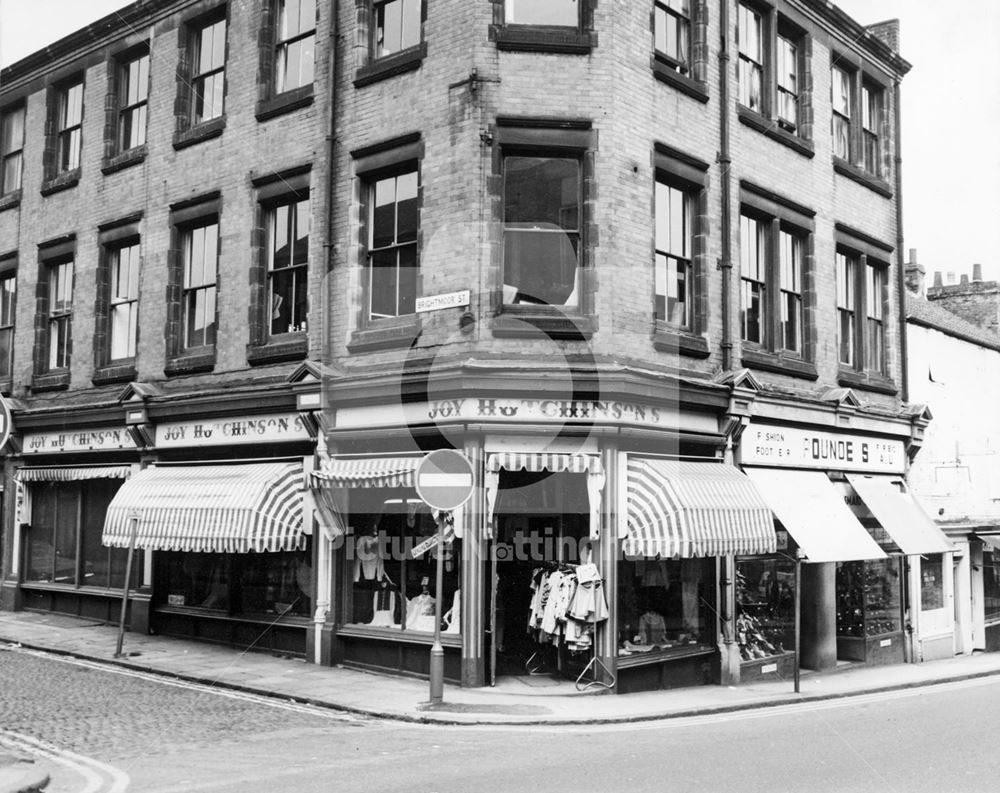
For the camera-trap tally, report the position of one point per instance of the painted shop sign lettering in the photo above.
(225, 432)
(555, 411)
(838, 451)
(77, 441)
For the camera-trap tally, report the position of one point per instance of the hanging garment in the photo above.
(420, 613)
(384, 609)
(453, 617)
(368, 562)
(652, 628)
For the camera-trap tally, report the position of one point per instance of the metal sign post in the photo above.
(134, 516)
(444, 480)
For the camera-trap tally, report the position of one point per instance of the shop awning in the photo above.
(536, 462)
(211, 508)
(367, 472)
(992, 540)
(815, 514)
(684, 509)
(900, 515)
(72, 474)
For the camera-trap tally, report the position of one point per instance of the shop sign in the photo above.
(77, 441)
(449, 300)
(228, 432)
(549, 411)
(792, 447)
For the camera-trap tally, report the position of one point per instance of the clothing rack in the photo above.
(598, 665)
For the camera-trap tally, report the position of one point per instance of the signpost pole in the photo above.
(798, 617)
(128, 579)
(437, 651)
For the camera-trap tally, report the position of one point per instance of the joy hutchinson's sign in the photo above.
(763, 444)
(83, 440)
(220, 432)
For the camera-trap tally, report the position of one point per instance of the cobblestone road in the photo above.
(109, 715)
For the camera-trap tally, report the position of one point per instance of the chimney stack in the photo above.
(937, 279)
(915, 274)
(964, 280)
(977, 272)
(950, 277)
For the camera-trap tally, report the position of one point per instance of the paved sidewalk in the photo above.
(19, 774)
(525, 700)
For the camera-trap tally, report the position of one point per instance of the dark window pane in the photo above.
(541, 192)
(383, 284)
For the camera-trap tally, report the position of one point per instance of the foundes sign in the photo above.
(793, 447)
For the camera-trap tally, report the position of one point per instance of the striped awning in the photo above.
(367, 472)
(537, 462)
(680, 509)
(73, 474)
(211, 508)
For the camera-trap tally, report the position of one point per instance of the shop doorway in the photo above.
(541, 525)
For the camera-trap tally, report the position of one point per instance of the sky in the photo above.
(950, 102)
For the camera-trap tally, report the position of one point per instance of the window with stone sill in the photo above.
(773, 275)
(131, 95)
(287, 266)
(11, 149)
(208, 70)
(862, 298)
(8, 306)
(396, 26)
(55, 298)
(672, 33)
(772, 70)
(295, 42)
(562, 26)
(64, 145)
(393, 225)
(859, 119)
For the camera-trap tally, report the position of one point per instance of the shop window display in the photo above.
(991, 585)
(272, 584)
(393, 565)
(932, 582)
(664, 605)
(869, 599)
(64, 536)
(765, 607)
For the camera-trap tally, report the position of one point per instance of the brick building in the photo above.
(651, 290)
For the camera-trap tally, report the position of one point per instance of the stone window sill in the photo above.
(204, 131)
(11, 200)
(779, 363)
(285, 103)
(57, 380)
(194, 361)
(866, 381)
(122, 372)
(855, 174)
(679, 341)
(665, 73)
(398, 63)
(387, 334)
(284, 347)
(554, 324)
(124, 160)
(539, 38)
(63, 181)
(769, 128)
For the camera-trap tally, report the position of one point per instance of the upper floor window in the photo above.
(542, 12)
(69, 126)
(8, 304)
(11, 149)
(60, 314)
(750, 40)
(875, 289)
(846, 274)
(397, 26)
(288, 266)
(208, 72)
(787, 83)
(200, 252)
(393, 223)
(541, 230)
(133, 92)
(124, 301)
(674, 244)
(862, 296)
(294, 44)
(672, 32)
(858, 120)
(775, 238)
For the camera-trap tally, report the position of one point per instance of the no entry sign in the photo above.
(444, 479)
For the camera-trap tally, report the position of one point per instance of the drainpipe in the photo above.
(904, 388)
(726, 264)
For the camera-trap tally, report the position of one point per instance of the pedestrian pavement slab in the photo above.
(515, 701)
(21, 777)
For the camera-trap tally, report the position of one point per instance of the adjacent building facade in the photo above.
(642, 266)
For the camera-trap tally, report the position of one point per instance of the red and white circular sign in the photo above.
(444, 479)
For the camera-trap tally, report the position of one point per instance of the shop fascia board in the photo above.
(526, 383)
(68, 417)
(226, 403)
(768, 409)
